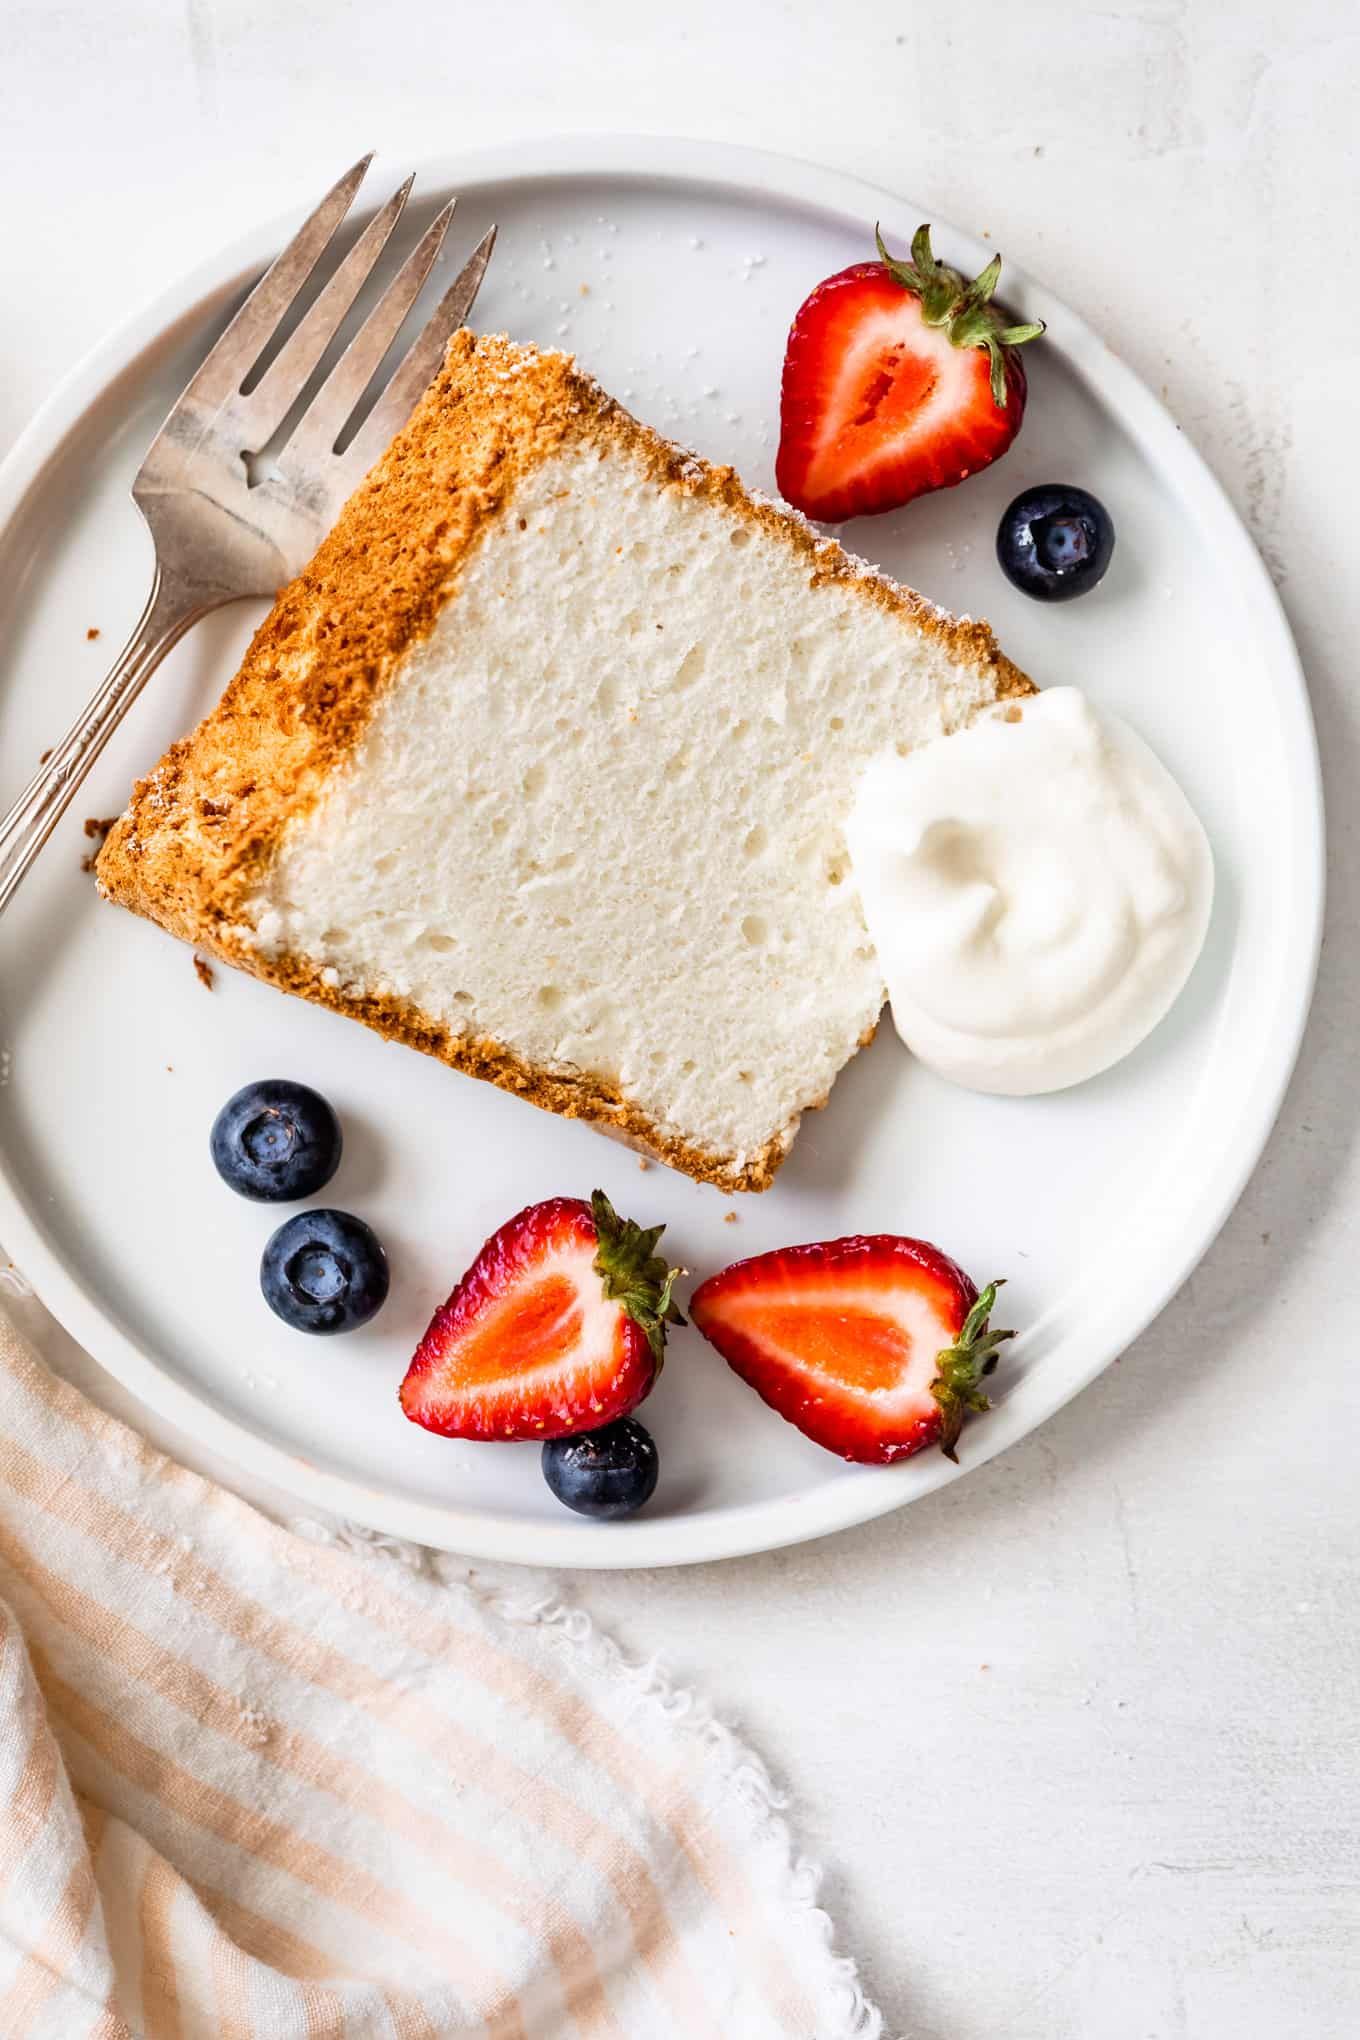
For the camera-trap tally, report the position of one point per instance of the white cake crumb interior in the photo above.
(597, 814)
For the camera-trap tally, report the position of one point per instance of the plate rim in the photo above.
(741, 1530)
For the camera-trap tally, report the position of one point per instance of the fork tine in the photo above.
(421, 362)
(325, 417)
(249, 333)
(266, 406)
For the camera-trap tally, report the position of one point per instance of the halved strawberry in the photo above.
(558, 1326)
(874, 1346)
(899, 378)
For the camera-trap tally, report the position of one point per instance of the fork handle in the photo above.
(169, 612)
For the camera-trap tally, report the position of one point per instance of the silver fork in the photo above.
(219, 533)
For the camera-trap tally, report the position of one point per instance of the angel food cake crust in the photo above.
(196, 846)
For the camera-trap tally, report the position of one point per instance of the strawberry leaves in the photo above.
(964, 310)
(634, 1274)
(961, 1368)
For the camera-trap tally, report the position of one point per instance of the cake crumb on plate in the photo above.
(96, 828)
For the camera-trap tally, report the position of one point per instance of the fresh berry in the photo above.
(610, 1472)
(1055, 542)
(324, 1271)
(899, 378)
(874, 1347)
(276, 1141)
(558, 1326)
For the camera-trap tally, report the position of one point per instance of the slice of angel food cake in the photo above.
(542, 767)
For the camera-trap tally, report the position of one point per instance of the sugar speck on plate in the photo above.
(695, 242)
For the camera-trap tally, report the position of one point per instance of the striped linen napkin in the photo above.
(252, 1785)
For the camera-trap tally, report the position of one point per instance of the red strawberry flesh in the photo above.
(531, 1344)
(845, 1339)
(899, 378)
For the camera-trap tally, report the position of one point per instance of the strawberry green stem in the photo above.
(634, 1274)
(964, 310)
(960, 1369)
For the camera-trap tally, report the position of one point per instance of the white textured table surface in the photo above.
(1079, 1737)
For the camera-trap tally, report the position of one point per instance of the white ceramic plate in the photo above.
(673, 268)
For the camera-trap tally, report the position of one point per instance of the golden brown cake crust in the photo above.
(200, 831)
(571, 1095)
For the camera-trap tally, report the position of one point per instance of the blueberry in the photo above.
(609, 1472)
(324, 1271)
(1055, 541)
(276, 1142)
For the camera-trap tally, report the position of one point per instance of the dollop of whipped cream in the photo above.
(1037, 887)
